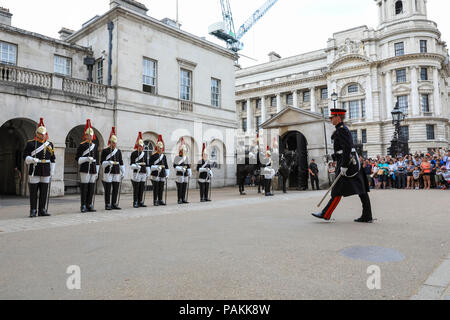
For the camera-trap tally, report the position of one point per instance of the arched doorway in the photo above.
(71, 175)
(296, 141)
(13, 178)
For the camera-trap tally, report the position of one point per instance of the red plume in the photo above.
(136, 146)
(160, 139)
(203, 150)
(113, 133)
(88, 126)
(41, 124)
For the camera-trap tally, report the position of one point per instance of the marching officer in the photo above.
(268, 172)
(160, 172)
(141, 170)
(113, 172)
(205, 176)
(39, 155)
(87, 158)
(352, 180)
(184, 172)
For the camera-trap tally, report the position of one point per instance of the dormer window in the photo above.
(399, 7)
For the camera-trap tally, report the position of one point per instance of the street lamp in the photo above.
(334, 98)
(397, 145)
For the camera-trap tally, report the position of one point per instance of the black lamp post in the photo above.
(398, 144)
(334, 98)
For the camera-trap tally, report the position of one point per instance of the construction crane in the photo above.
(225, 30)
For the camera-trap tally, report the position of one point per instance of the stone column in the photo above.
(263, 109)
(295, 98)
(388, 84)
(279, 107)
(415, 92)
(369, 98)
(312, 92)
(250, 116)
(437, 94)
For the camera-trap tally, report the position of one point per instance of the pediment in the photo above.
(350, 61)
(426, 86)
(291, 116)
(401, 89)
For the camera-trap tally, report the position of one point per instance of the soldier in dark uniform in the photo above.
(354, 181)
(113, 172)
(184, 172)
(205, 176)
(39, 155)
(159, 172)
(141, 171)
(268, 172)
(87, 158)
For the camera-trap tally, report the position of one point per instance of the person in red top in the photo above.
(426, 171)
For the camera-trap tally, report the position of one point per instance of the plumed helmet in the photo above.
(160, 144)
(112, 136)
(41, 129)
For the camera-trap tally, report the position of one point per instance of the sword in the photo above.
(167, 182)
(187, 192)
(331, 188)
(120, 191)
(48, 194)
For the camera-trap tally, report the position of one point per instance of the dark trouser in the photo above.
(90, 195)
(400, 181)
(84, 194)
(204, 190)
(161, 185)
(135, 192)
(107, 186)
(260, 181)
(268, 185)
(155, 190)
(141, 190)
(316, 180)
(42, 188)
(115, 193)
(182, 188)
(334, 202)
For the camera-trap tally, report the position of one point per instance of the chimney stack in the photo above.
(5, 16)
(129, 4)
(273, 56)
(64, 33)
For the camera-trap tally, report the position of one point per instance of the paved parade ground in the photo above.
(236, 247)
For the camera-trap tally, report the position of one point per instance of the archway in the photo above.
(296, 141)
(71, 175)
(13, 178)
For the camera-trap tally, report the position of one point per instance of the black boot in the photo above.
(135, 194)
(33, 199)
(179, 192)
(161, 185)
(141, 195)
(90, 198)
(43, 192)
(367, 209)
(83, 190)
(107, 186)
(183, 194)
(319, 215)
(268, 185)
(155, 192)
(202, 192)
(207, 195)
(115, 195)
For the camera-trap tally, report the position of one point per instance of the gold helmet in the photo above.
(141, 143)
(89, 132)
(41, 130)
(113, 139)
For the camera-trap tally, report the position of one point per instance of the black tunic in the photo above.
(185, 164)
(47, 153)
(154, 161)
(200, 165)
(142, 162)
(343, 146)
(84, 146)
(117, 157)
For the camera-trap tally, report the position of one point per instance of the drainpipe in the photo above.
(110, 29)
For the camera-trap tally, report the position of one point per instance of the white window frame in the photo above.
(99, 71)
(402, 53)
(62, 65)
(150, 74)
(186, 83)
(9, 52)
(216, 91)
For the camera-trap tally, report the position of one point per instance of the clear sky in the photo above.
(291, 27)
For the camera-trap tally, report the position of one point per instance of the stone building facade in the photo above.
(123, 69)
(402, 61)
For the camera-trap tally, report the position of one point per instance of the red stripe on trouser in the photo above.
(331, 209)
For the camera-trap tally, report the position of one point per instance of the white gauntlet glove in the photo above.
(344, 171)
(52, 169)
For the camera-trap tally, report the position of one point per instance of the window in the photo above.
(425, 103)
(186, 85)
(423, 74)
(398, 7)
(258, 104)
(399, 49)
(353, 88)
(403, 133)
(244, 106)
(215, 92)
(258, 121)
(326, 112)
(423, 46)
(403, 103)
(363, 108)
(99, 71)
(430, 132)
(354, 109)
(364, 135)
(273, 101)
(354, 136)
(290, 99)
(244, 125)
(401, 75)
(324, 93)
(306, 96)
(214, 158)
(149, 76)
(63, 65)
(8, 53)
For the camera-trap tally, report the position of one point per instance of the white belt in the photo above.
(342, 151)
(44, 161)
